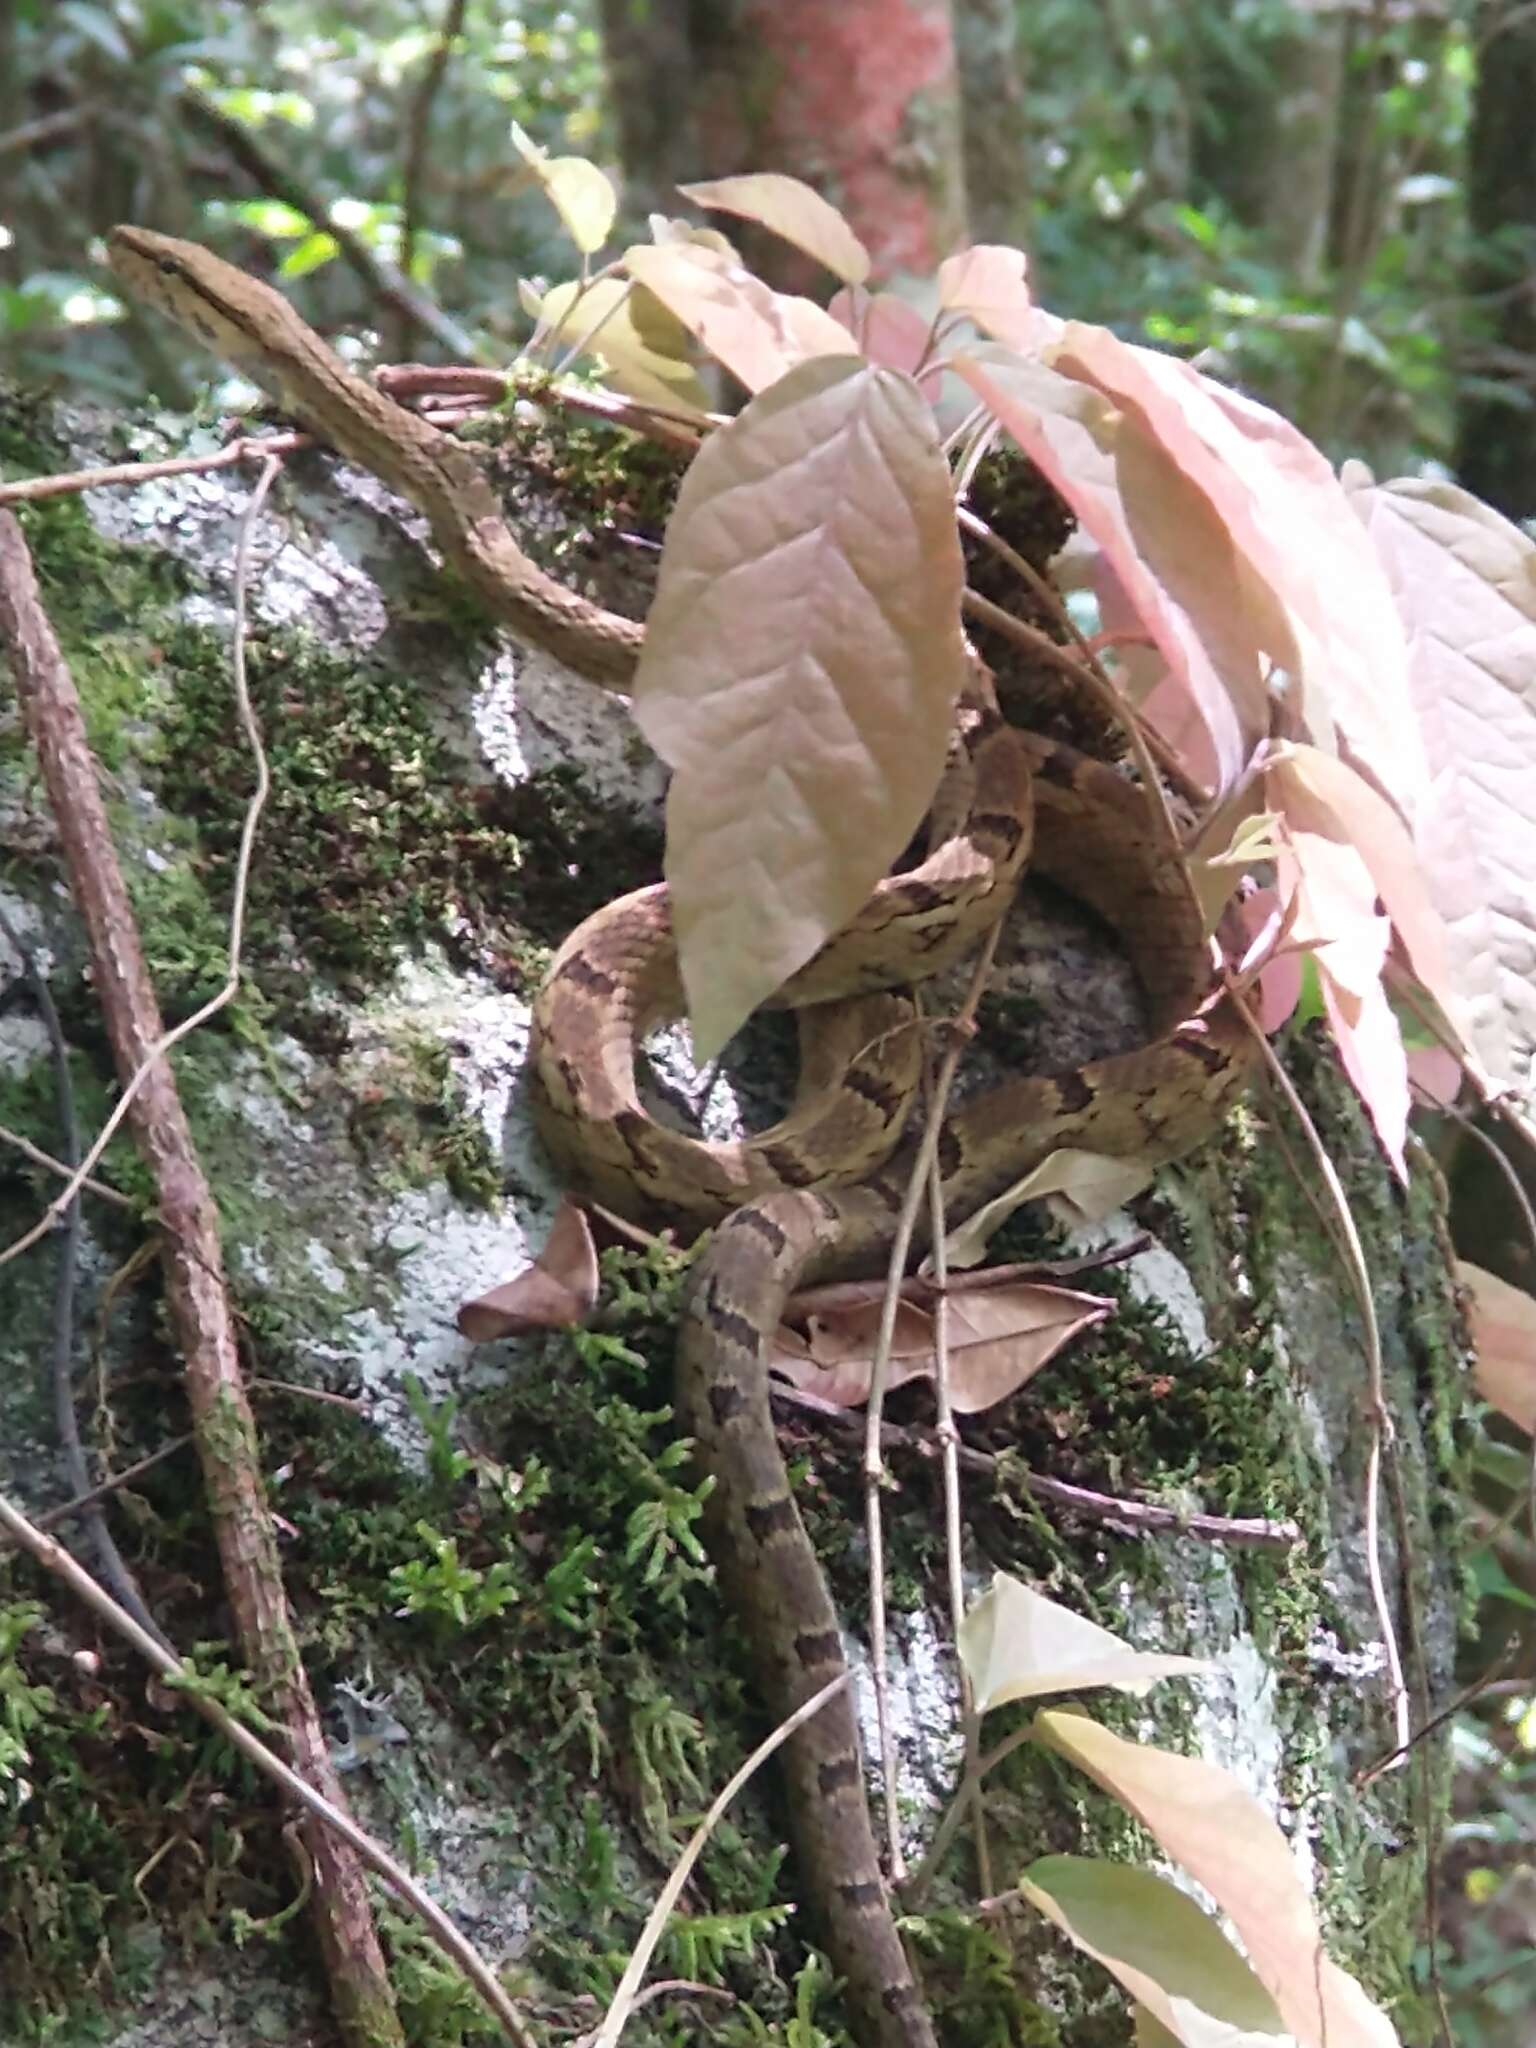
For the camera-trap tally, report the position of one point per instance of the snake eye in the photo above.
(169, 267)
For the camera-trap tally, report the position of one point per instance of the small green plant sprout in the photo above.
(22, 1704)
(232, 1690)
(699, 1945)
(567, 1588)
(662, 1529)
(446, 1463)
(452, 1595)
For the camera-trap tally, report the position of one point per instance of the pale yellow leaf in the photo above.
(666, 231)
(1015, 1645)
(644, 349)
(756, 333)
(579, 192)
(792, 211)
(1093, 1182)
(1465, 582)
(1504, 1332)
(1312, 587)
(1168, 1954)
(1207, 1823)
(802, 660)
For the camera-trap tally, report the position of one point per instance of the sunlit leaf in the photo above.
(1015, 1645)
(794, 212)
(1171, 1957)
(605, 322)
(1219, 1833)
(756, 333)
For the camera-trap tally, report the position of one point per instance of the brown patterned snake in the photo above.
(819, 1193)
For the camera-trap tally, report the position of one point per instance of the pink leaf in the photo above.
(1317, 598)
(1504, 1332)
(1465, 582)
(987, 285)
(1176, 568)
(756, 333)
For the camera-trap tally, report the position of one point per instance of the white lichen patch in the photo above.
(531, 713)
(1154, 1275)
(924, 1718)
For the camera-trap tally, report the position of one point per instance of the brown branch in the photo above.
(1140, 1517)
(383, 281)
(195, 1291)
(418, 125)
(54, 1558)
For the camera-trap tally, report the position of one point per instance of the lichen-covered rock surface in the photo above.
(491, 1552)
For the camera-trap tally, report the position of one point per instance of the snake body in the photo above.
(820, 1193)
(255, 328)
(819, 1196)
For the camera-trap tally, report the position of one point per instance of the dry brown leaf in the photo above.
(794, 212)
(1465, 583)
(999, 1338)
(802, 660)
(1226, 1841)
(644, 347)
(1504, 1332)
(1016, 1645)
(1169, 1954)
(556, 1292)
(1176, 567)
(1317, 599)
(756, 333)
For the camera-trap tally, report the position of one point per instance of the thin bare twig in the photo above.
(901, 1243)
(624, 1999)
(54, 1558)
(66, 1509)
(1136, 1517)
(110, 1562)
(226, 994)
(39, 1157)
(949, 1441)
(418, 127)
(196, 1295)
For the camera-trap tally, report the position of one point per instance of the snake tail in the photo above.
(769, 1570)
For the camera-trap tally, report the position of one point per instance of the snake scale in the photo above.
(818, 1194)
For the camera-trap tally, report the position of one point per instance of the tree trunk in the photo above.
(1497, 439)
(861, 101)
(533, 1681)
(1269, 128)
